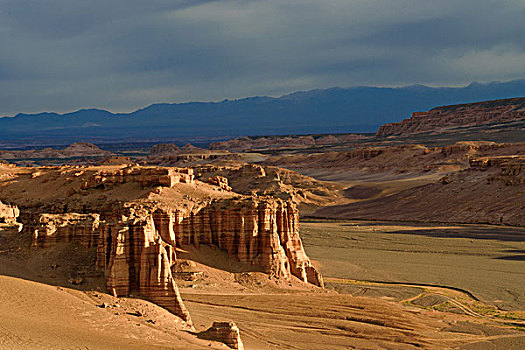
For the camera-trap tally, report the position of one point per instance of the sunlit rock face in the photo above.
(135, 240)
(447, 117)
(262, 232)
(8, 213)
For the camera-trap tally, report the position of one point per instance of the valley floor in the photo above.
(481, 265)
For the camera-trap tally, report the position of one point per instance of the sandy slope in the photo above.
(39, 316)
(470, 196)
(40, 310)
(271, 314)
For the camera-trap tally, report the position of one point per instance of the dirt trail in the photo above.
(446, 292)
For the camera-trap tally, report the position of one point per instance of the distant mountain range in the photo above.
(335, 110)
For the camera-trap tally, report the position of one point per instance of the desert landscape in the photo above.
(258, 175)
(283, 242)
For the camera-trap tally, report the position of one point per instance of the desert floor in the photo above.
(41, 311)
(486, 260)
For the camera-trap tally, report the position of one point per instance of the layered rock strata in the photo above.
(225, 332)
(147, 177)
(262, 232)
(129, 250)
(257, 180)
(164, 148)
(440, 118)
(490, 191)
(81, 149)
(136, 260)
(183, 159)
(247, 144)
(135, 240)
(220, 181)
(401, 159)
(71, 227)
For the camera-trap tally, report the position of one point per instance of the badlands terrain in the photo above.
(410, 238)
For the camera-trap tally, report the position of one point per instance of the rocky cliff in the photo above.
(263, 232)
(135, 218)
(448, 117)
(129, 251)
(401, 159)
(147, 177)
(164, 148)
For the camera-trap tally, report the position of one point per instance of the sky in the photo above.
(120, 55)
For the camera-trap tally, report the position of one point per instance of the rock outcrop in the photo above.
(225, 332)
(448, 117)
(257, 180)
(8, 213)
(220, 181)
(147, 177)
(401, 159)
(163, 148)
(135, 238)
(262, 232)
(70, 227)
(184, 159)
(130, 251)
(83, 149)
(114, 160)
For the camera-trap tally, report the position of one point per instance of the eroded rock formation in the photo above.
(164, 148)
(220, 181)
(148, 177)
(130, 251)
(262, 232)
(8, 213)
(490, 191)
(442, 118)
(401, 159)
(225, 332)
(136, 239)
(70, 227)
(258, 180)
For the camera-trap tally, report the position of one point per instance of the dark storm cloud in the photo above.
(66, 54)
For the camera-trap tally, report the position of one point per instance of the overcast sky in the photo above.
(62, 55)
